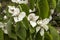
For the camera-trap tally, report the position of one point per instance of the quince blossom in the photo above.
(43, 25)
(32, 18)
(14, 11)
(20, 17)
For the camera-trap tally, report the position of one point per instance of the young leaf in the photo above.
(44, 8)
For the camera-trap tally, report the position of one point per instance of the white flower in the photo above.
(15, 1)
(43, 23)
(11, 9)
(5, 17)
(14, 11)
(20, 1)
(3, 27)
(20, 17)
(32, 18)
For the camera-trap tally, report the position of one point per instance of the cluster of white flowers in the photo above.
(4, 28)
(20, 1)
(42, 24)
(18, 16)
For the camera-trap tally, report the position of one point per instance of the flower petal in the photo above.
(37, 29)
(16, 12)
(11, 9)
(1, 25)
(46, 27)
(16, 19)
(42, 32)
(33, 24)
(21, 16)
(32, 17)
(45, 21)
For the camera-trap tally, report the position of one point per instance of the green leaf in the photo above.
(32, 2)
(25, 8)
(1, 35)
(9, 29)
(59, 37)
(47, 36)
(58, 6)
(20, 31)
(26, 23)
(44, 9)
(52, 3)
(54, 33)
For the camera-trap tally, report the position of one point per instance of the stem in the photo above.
(20, 8)
(43, 38)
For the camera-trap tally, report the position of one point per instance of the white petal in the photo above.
(50, 18)
(46, 21)
(37, 29)
(39, 22)
(31, 16)
(16, 12)
(46, 27)
(11, 8)
(36, 17)
(23, 1)
(16, 19)
(52, 11)
(1, 25)
(32, 10)
(42, 32)
(5, 17)
(5, 28)
(5, 31)
(33, 24)
(21, 16)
